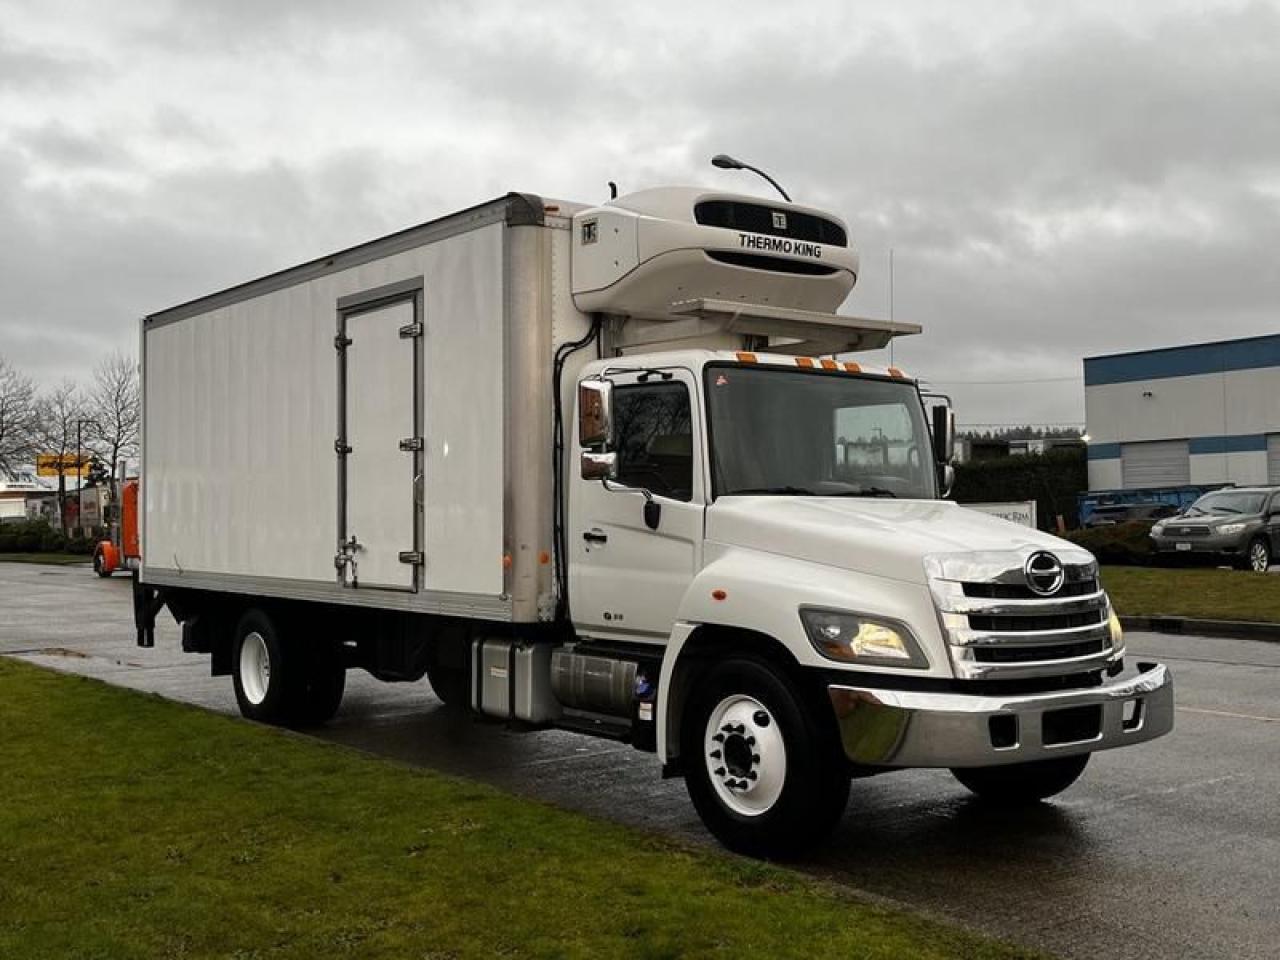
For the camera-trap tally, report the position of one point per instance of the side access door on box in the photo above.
(380, 443)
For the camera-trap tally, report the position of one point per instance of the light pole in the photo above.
(726, 162)
(80, 470)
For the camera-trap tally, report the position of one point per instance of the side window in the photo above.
(653, 430)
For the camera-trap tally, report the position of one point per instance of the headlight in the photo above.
(1157, 527)
(854, 638)
(1227, 529)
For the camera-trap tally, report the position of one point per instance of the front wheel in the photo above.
(1258, 557)
(1023, 783)
(764, 772)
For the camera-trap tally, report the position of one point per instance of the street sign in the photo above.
(67, 464)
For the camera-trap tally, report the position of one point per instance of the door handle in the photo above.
(595, 536)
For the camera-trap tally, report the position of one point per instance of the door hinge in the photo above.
(340, 448)
(411, 444)
(341, 343)
(414, 557)
(411, 330)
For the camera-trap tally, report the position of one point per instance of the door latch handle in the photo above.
(595, 536)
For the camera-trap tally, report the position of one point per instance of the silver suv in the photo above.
(1237, 525)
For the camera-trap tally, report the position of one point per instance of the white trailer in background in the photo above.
(611, 468)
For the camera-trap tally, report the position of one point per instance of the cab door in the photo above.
(626, 577)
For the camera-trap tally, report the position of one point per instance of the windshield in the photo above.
(811, 433)
(1229, 503)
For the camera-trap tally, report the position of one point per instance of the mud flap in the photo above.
(147, 602)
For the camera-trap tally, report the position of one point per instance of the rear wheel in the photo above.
(266, 676)
(324, 682)
(1023, 783)
(764, 773)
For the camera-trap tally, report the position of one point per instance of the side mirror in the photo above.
(944, 434)
(947, 480)
(599, 466)
(595, 413)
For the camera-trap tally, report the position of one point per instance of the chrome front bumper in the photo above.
(901, 728)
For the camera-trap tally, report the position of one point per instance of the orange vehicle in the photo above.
(122, 551)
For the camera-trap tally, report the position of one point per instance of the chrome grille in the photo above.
(1181, 531)
(998, 629)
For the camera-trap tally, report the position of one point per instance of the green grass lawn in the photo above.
(135, 827)
(1211, 594)
(54, 559)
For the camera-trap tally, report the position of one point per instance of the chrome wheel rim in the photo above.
(1258, 554)
(745, 755)
(255, 668)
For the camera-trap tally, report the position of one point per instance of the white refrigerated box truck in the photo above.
(612, 468)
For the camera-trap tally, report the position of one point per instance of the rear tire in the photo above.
(266, 673)
(450, 685)
(325, 681)
(764, 771)
(1023, 783)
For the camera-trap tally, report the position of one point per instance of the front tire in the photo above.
(1023, 783)
(1257, 557)
(765, 774)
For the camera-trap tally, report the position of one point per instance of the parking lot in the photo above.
(1171, 849)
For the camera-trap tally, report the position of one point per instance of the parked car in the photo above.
(1240, 526)
(1108, 515)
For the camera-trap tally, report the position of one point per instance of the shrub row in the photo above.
(1122, 543)
(36, 536)
(1053, 479)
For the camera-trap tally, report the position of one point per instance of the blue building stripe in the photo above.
(1196, 446)
(1201, 358)
(1243, 443)
(1104, 451)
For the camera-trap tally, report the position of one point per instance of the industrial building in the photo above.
(1203, 414)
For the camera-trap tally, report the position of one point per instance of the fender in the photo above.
(761, 592)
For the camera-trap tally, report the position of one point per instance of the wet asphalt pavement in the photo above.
(1171, 849)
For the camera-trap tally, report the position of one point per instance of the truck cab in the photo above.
(773, 525)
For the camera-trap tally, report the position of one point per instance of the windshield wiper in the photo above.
(867, 492)
(785, 491)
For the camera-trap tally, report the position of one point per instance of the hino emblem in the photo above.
(1044, 574)
(779, 220)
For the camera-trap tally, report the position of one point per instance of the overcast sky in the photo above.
(1056, 180)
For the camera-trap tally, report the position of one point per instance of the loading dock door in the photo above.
(1158, 463)
(380, 446)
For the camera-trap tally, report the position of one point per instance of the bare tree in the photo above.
(113, 404)
(17, 418)
(60, 431)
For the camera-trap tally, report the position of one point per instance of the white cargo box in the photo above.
(397, 393)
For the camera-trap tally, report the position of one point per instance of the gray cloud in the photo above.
(1053, 184)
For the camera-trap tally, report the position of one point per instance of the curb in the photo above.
(1245, 629)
